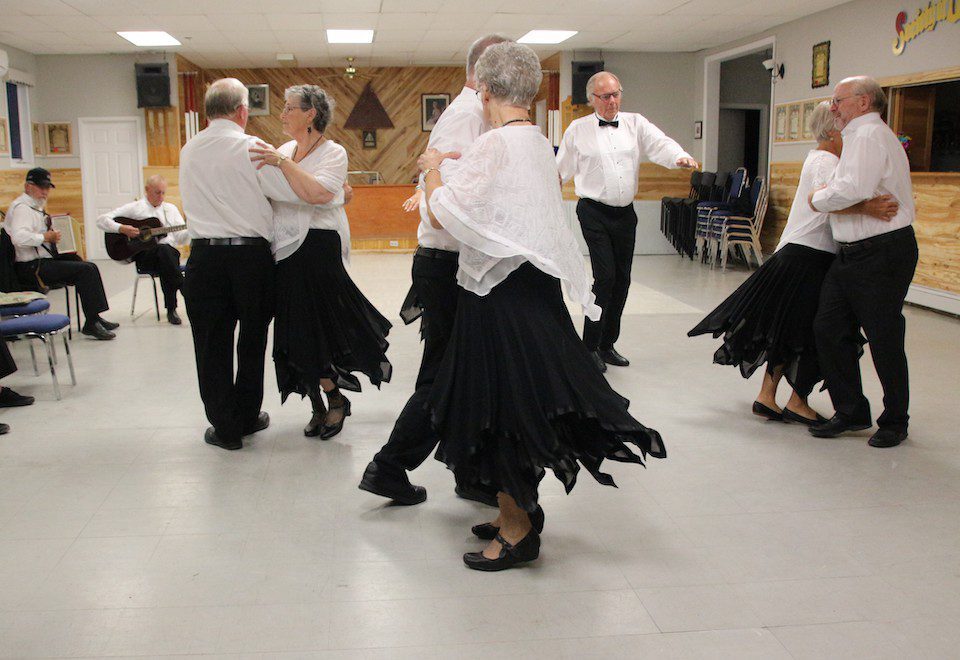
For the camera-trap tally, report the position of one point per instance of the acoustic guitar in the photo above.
(123, 248)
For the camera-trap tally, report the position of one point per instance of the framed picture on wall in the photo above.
(4, 137)
(781, 123)
(259, 100)
(369, 138)
(697, 130)
(39, 144)
(431, 107)
(808, 108)
(821, 65)
(59, 138)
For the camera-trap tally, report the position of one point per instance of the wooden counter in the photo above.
(377, 220)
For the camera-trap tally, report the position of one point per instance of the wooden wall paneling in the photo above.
(67, 197)
(163, 135)
(655, 183)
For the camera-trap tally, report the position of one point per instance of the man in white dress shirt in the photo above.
(230, 273)
(602, 154)
(434, 295)
(164, 258)
(868, 282)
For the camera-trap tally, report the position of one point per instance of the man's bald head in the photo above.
(227, 98)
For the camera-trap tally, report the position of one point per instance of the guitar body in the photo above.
(122, 248)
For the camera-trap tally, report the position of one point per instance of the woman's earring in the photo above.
(309, 130)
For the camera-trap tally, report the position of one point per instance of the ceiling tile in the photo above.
(230, 22)
(105, 7)
(410, 21)
(339, 6)
(398, 6)
(297, 22)
(17, 24)
(47, 8)
(352, 21)
(75, 24)
(124, 23)
(183, 22)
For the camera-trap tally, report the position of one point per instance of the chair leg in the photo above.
(156, 301)
(133, 303)
(725, 249)
(758, 251)
(73, 375)
(53, 349)
(53, 368)
(33, 358)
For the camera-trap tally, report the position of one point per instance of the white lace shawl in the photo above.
(503, 204)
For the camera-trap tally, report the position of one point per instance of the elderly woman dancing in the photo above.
(769, 318)
(325, 329)
(517, 392)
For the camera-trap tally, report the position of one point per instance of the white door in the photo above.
(111, 170)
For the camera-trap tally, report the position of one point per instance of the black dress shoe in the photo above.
(887, 437)
(211, 438)
(836, 425)
(797, 418)
(767, 413)
(610, 356)
(478, 493)
(398, 489)
(488, 532)
(97, 331)
(109, 325)
(11, 399)
(173, 318)
(597, 360)
(327, 431)
(4, 429)
(262, 422)
(526, 550)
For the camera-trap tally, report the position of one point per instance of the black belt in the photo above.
(434, 253)
(875, 241)
(606, 206)
(240, 240)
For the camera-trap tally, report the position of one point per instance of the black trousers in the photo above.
(7, 364)
(610, 233)
(413, 437)
(83, 274)
(165, 261)
(225, 285)
(865, 288)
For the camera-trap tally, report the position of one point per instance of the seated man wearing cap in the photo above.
(38, 261)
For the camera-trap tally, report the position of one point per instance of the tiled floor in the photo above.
(123, 534)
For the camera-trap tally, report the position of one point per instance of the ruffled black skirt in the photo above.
(769, 318)
(324, 326)
(518, 393)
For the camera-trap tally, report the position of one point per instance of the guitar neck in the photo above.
(161, 231)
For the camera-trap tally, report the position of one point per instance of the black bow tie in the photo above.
(604, 122)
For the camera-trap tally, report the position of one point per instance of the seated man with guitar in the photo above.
(148, 232)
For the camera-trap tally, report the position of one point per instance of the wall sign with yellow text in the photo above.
(927, 19)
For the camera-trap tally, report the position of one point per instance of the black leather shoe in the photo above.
(211, 438)
(597, 360)
(887, 437)
(797, 418)
(173, 318)
(610, 356)
(109, 325)
(836, 425)
(478, 493)
(488, 532)
(330, 430)
(399, 490)
(97, 331)
(526, 550)
(262, 422)
(767, 413)
(11, 399)
(4, 429)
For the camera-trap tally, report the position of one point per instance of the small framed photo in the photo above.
(431, 107)
(59, 138)
(808, 108)
(4, 137)
(794, 123)
(369, 138)
(697, 130)
(821, 65)
(259, 100)
(781, 124)
(39, 143)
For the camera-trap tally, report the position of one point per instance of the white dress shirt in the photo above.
(221, 192)
(804, 225)
(167, 213)
(458, 127)
(328, 164)
(26, 224)
(604, 163)
(873, 163)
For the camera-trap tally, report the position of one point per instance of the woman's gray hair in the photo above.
(871, 89)
(313, 97)
(822, 122)
(224, 97)
(510, 72)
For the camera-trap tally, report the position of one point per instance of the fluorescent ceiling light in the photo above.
(546, 36)
(149, 38)
(349, 36)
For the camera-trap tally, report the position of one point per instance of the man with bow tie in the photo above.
(602, 154)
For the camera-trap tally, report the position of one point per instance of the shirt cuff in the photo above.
(820, 199)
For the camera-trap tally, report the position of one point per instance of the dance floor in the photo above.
(123, 534)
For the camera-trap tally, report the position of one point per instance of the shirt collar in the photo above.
(33, 203)
(862, 120)
(469, 96)
(615, 118)
(225, 126)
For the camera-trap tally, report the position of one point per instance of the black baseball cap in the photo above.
(40, 177)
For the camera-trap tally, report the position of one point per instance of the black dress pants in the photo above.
(413, 437)
(82, 274)
(225, 285)
(610, 233)
(165, 261)
(7, 364)
(865, 288)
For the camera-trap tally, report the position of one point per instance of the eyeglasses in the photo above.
(611, 95)
(837, 101)
(287, 109)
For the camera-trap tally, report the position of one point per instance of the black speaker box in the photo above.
(581, 74)
(153, 85)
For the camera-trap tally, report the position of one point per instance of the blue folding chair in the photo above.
(43, 327)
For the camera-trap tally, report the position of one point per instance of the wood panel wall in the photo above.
(67, 197)
(937, 224)
(163, 135)
(399, 90)
(656, 182)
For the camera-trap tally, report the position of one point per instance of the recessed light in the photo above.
(546, 36)
(349, 36)
(149, 38)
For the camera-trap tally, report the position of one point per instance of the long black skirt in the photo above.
(769, 318)
(518, 393)
(324, 326)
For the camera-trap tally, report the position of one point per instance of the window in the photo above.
(18, 113)
(927, 120)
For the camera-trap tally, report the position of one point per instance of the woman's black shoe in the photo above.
(488, 532)
(790, 416)
(315, 425)
(526, 550)
(767, 413)
(330, 430)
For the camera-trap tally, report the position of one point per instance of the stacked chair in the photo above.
(706, 211)
(729, 229)
(678, 214)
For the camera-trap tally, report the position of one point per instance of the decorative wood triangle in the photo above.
(368, 112)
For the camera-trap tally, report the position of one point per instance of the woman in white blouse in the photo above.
(324, 328)
(517, 392)
(769, 318)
